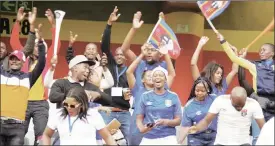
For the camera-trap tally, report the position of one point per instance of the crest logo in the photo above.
(168, 103)
(244, 112)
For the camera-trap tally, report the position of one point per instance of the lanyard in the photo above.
(71, 125)
(118, 75)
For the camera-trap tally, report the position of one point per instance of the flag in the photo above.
(212, 9)
(163, 33)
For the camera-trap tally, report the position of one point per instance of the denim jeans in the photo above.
(135, 135)
(122, 117)
(39, 111)
(203, 138)
(12, 134)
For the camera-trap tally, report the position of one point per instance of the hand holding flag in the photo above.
(163, 34)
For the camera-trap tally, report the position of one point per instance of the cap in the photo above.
(80, 59)
(159, 68)
(19, 54)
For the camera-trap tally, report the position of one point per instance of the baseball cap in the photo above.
(80, 59)
(159, 68)
(19, 54)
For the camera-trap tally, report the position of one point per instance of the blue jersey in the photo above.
(265, 77)
(221, 91)
(155, 107)
(194, 111)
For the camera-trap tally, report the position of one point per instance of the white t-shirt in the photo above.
(233, 126)
(266, 136)
(83, 131)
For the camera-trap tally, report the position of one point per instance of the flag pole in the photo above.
(211, 25)
(154, 29)
(268, 28)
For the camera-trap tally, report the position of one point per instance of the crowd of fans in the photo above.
(104, 101)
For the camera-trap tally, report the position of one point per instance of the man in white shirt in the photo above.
(236, 112)
(266, 136)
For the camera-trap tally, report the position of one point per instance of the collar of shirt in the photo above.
(73, 81)
(268, 62)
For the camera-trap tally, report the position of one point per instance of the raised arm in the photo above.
(48, 79)
(70, 51)
(194, 61)
(29, 46)
(106, 37)
(137, 23)
(107, 81)
(14, 38)
(170, 69)
(234, 58)
(37, 71)
(131, 70)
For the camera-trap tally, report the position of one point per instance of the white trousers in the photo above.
(169, 140)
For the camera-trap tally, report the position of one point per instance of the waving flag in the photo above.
(212, 9)
(162, 33)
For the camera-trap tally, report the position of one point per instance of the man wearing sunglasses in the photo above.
(79, 71)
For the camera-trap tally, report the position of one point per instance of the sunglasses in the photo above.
(70, 105)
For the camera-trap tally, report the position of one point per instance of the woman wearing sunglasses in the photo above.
(76, 123)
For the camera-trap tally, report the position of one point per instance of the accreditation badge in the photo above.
(168, 103)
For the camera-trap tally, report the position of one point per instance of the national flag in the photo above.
(163, 33)
(212, 9)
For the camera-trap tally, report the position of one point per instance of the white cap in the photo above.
(159, 68)
(80, 59)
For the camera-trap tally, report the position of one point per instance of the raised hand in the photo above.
(161, 15)
(114, 16)
(32, 16)
(220, 37)
(20, 14)
(137, 23)
(54, 61)
(72, 38)
(49, 14)
(104, 60)
(203, 40)
(38, 33)
(243, 53)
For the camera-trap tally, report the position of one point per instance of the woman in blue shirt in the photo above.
(213, 71)
(195, 110)
(158, 112)
(147, 85)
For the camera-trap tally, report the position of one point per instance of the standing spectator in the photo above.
(213, 71)
(81, 120)
(195, 110)
(79, 67)
(117, 67)
(137, 90)
(15, 86)
(262, 72)
(159, 112)
(152, 56)
(15, 43)
(236, 112)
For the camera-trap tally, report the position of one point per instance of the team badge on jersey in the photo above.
(168, 103)
(244, 112)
